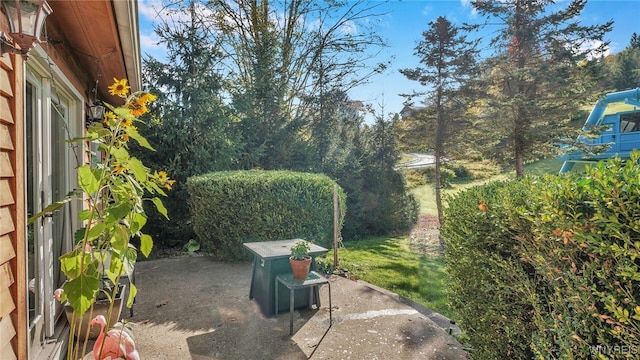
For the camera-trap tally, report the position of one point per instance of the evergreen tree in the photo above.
(265, 83)
(448, 62)
(191, 130)
(625, 72)
(635, 41)
(544, 68)
(337, 151)
(387, 204)
(282, 56)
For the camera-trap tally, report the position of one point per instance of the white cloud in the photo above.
(349, 28)
(149, 8)
(427, 10)
(466, 4)
(148, 41)
(591, 46)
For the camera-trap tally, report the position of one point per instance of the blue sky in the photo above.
(403, 25)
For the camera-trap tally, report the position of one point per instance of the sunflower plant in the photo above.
(113, 187)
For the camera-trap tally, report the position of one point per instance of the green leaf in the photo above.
(120, 237)
(192, 246)
(121, 154)
(81, 292)
(49, 209)
(160, 206)
(123, 113)
(87, 179)
(84, 215)
(133, 290)
(137, 169)
(97, 130)
(152, 186)
(116, 268)
(139, 138)
(70, 263)
(138, 221)
(78, 235)
(96, 230)
(129, 257)
(119, 211)
(146, 244)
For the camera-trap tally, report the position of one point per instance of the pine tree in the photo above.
(195, 134)
(447, 61)
(279, 66)
(626, 67)
(545, 66)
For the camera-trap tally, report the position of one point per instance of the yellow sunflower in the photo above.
(139, 110)
(119, 87)
(164, 181)
(162, 176)
(126, 122)
(109, 118)
(169, 184)
(118, 168)
(147, 98)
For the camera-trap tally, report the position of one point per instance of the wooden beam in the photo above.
(19, 263)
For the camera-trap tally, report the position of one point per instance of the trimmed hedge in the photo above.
(488, 283)
(233, 207)
(549, 268)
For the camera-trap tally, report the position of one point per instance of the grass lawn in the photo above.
(411, 269)
(395, 264)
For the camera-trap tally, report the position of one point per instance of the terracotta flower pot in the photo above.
(300, 268)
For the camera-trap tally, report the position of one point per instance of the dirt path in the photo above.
(424, 236)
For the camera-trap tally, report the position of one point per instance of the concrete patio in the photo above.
(198, 308)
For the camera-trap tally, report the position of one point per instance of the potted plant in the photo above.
(300, 260)
(112, 188)
(102, 306)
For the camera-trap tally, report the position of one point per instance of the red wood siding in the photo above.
(12, 332)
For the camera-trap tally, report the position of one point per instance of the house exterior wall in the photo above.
(12, 236)
(77, 45)
(13, 256)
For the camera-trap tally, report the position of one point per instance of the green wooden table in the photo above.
(270, 259)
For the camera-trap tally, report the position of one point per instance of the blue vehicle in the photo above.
(620, 129)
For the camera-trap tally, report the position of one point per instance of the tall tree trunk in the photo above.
(519, 144)
(438, 159)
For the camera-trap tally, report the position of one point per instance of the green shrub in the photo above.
(585, 246)
(427, 175)
(415, 177)
(549, 268)
(489, 286)
(234, 207)
(460, 171)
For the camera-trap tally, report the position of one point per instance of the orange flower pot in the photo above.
(300, 268)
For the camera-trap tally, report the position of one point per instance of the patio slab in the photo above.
(199, 308)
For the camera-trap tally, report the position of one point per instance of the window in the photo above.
(630, 122)
(53, 115)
